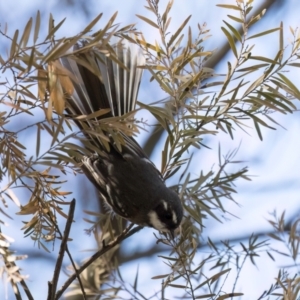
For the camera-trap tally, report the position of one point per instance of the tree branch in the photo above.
(127, 232)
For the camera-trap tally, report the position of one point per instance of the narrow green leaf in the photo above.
(254, 85)
(226, 81)
(49, 55)
(176, 34)
(294, 65)
(160, 276)
(50, 24)
(49, 163)
(163, 85)
(26, 33)
(37, 26)
(148, 21)
(271, 256)
(190, 38)
(58, 157)
(229, 6)
(2, 61)
(256, 18)
(136, 280)
(253, 68)
(280, 84)
(201, 180)
(26, 91)
(177, 286)
(281, 38)
(13, 47)
(54, 29)
(193, 214)
(255, 118)
(44, 247)
(38, 140)
(218, 275)
(231, 295)
(150, 9)
(230, 41)
(275, 237)
(258, 130)
(92, 24)
(235, 91)
(189, 59)
(168, 258)
(178, 42)
(271, 97)
(57, 131)
(166, 12)
(263, 33)
(155, 67)
(164, 155)
(93, 115)
(268, 60)
(31, 59)
(229, 129)
(263, 102)
(234, 31)
(147, 45)
(110, 22)
(205, 296)
(282, 97)
(235, 19)
(290, 85)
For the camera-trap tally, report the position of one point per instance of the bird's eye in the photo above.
(168, 216)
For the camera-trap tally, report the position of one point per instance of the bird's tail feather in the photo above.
(100, 82)
(108, 85)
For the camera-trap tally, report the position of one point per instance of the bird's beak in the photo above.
(172, 234)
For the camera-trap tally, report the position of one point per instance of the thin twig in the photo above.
(63, 247)
(26, 289)
(16, 291)
(127, 232)
(77, 273)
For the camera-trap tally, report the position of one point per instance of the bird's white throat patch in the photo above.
(155, 222)
(174, 217)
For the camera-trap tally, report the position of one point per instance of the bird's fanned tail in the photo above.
(100, 83)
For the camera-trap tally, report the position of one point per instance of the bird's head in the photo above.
(166, 216)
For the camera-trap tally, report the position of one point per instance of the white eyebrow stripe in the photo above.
(165, 204)
(174, 217)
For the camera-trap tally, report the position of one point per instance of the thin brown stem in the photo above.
(127, 232)
(63, 248)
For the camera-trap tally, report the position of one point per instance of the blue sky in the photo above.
(274, 162)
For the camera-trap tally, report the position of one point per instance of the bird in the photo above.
(126, 179)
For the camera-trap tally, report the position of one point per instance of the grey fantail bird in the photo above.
(126, 179)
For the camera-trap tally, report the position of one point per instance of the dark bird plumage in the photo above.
(125, 177)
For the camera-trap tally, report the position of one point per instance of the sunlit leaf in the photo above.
(257, 18)
(234, 31)
(290, 85)
(26, 33)
(37, 26)
(228, 6)
(235, 19)
(178, 31)
(230, 41)
(148, 21)
(13, 47)
(263, 33)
